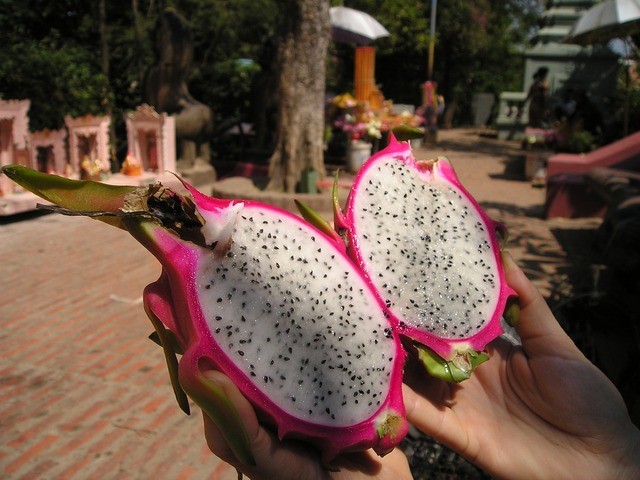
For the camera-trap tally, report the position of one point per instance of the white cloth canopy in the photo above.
(354, 26)
(605, 21)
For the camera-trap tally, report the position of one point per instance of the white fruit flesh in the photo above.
(427, 250)
(297, 320)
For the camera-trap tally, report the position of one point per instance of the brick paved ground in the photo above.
(83, 392)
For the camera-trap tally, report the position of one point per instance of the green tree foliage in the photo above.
(404, 54)
(54, 80)
(226, 32)
(479, 47)
(48, 56)
(51, 53)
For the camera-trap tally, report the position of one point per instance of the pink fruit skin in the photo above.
(441, 168)
(169, 299)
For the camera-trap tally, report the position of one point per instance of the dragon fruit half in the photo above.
(432, 254)
(265, 297)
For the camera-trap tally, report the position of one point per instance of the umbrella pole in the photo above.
(627, 81)
(432, 38)
(431, 51)
(364, 73)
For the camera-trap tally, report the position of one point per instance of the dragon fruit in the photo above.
(432, 254)
(266, 298)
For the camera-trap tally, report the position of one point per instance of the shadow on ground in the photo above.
(24, 216)
(470, 140)
(513, 170)
(536, 249)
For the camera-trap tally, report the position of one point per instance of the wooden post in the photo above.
(364, 80)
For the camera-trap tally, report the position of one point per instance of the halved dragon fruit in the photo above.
(266, 298)
(432, 254)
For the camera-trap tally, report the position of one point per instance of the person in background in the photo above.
(430, 110)
(538, 97)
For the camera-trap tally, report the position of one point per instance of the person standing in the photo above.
(538, 97)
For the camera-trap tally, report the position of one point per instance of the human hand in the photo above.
(537, 411)
(293, 460)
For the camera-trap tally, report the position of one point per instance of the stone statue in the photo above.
(166, 89)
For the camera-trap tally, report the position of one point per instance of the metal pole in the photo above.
(432, 37)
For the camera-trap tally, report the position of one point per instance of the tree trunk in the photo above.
(104, 44)
(301, 51)
(138, 45)
(104, 47)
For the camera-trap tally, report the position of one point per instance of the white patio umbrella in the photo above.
(354, 26)
(605, 21)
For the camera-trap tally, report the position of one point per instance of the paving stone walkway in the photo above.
(85, 395)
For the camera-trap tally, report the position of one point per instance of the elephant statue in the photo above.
(166, 89)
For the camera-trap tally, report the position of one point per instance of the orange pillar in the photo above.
(364, 80)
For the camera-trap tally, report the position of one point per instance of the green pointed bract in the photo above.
(460, 368)
(512, 311)
(338, 216)
(405, 132)
(315, 219)
(74, 195)
(155, 338)
(392, 426)
(167, 344)
(334, 194)
(213, 401)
